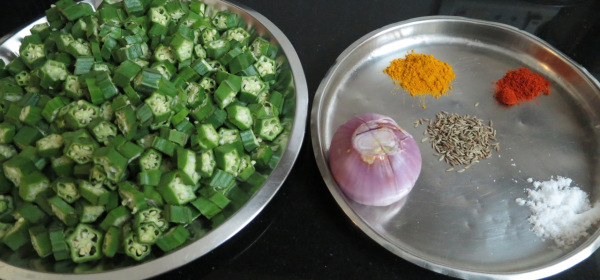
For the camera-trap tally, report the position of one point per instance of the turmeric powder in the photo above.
(421, 74)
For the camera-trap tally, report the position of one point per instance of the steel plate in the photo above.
(468, 225)
(202, 242)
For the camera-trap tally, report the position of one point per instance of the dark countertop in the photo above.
(303, 233)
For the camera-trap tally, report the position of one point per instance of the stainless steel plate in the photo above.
(468, 224)
(202, 242)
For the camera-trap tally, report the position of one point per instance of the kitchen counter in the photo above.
(303, 233)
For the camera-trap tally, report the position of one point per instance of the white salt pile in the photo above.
(560, 212)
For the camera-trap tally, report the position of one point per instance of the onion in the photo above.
(374, 161)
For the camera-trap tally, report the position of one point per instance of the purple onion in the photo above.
(374, 161)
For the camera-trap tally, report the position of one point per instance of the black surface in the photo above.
(302, 233)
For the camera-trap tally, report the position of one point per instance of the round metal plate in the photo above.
(468, 224)
(205, 242)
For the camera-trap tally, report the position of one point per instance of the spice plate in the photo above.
(468, 224)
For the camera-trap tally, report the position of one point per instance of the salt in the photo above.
(560, 212)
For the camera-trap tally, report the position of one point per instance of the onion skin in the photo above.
(380, 176)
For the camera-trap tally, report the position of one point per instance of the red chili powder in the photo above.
(520, 85)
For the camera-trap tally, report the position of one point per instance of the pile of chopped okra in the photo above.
(121, 126)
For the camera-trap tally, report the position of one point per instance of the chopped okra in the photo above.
(121, 129)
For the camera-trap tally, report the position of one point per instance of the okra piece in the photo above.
(33, 55)
(94, 193)
(13, 114)
(152, 215)
(174, 136)
(221, 181)
(126, 121)
(160, 105)
(246, 168)
(249, 140)
(208, 35)
(102, 130)
(206, 207)
(125, 73)
(90, 213)
(227, 158)
(182, 47)
(7, 151)
(132, 197)
(196, 94)
(153, 197)
(73, 88)
(204, 110)
(135, 7)
(217, 48)
(268, 127)
(260, 47)
(85, 243)
(62, 166)
(148, 233)
(147, 80)
(106, 85)
(243, 63)
(178, 214)
(166, 69)
(40, 239)
(150, 160)
(174, 190)
(238, 34)
(41, 29)
(219, 199)
(60, 249)
(83, 64)
(223, 20)
(63, 211)
(33, 184)
(206, 137)
(17, 235)
(67, 189)
(7, 132)
(80, 114)
(111, 242)
(80, 149)
(262, 155)
(75, 11)
(173, 238)
(78, 48)
(206, 164)
(50, 146)
(149, 177)
(130, 150)
(252, 87)
(23, 78)
(6, 206)
(231, 136)
(186, 163)
(26, 136)
(164, 53)
(240, 116)
(31, 213)
(113, 163)
(224, 95)
(117, 217)
(135, 249)
(18, 168)
(266, 68)
(164, 146)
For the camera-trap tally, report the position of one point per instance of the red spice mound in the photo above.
(520, 85)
